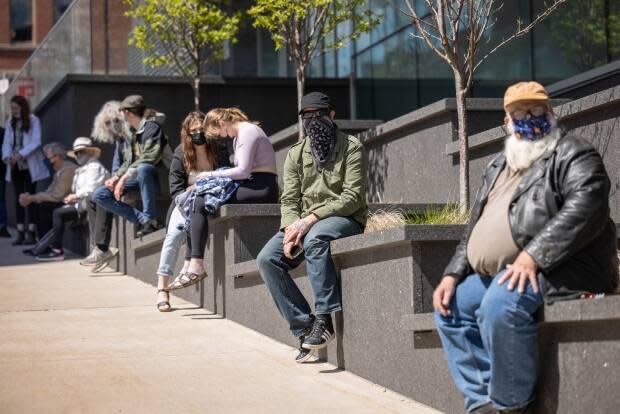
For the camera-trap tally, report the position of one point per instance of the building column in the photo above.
(42, 19)
(5, 21)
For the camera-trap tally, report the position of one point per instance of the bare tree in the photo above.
(455, 30)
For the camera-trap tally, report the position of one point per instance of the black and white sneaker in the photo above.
(148, 228)
(322, 333)
(304, 354)
(51, 256)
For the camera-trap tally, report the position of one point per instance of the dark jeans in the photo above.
(274, 268)
(61, 216)
(22, 183)
(261, 188)
(99, 225)
(147, 182)
(46, 212)
(2, 198)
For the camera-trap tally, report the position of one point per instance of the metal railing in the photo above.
(66, 49)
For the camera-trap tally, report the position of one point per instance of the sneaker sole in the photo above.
(51, 259)
(323, 345)
(102, 265)
(306, 358)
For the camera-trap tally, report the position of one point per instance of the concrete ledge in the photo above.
(495, 134)
(430, 111)
(565, 112)
(288, 136)
(577, 310)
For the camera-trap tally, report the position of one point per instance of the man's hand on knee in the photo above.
(119, 188)
(111, 183)
(523, 269)
(296, 231)
(443, 294)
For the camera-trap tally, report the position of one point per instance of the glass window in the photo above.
(21, 20)
(511, 63)
(344, 53)
(571, 41)
(60, 6)
(613, 29)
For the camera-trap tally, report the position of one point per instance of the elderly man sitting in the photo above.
(52, 198)
(88, 177)
(540, 227)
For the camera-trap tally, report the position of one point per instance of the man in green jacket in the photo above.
(324, 198)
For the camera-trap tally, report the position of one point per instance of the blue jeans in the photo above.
(2, 201)
(172, 244)
(490, 342)
(274, 268)
(146, 182)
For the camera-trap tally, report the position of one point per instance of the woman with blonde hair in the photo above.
(195, 154)
(254, 169)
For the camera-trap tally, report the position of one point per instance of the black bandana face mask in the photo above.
(198, 138)
(322, 133)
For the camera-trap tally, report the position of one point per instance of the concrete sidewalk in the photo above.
(76, 342)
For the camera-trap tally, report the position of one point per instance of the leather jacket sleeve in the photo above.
(583, 186)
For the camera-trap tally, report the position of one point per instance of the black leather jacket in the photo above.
(559, 214)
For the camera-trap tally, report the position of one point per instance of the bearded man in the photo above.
(540, 227)
(324, 198)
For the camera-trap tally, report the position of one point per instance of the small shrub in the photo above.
(384, 219)
(448, 214)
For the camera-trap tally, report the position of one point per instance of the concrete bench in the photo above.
(385, 331)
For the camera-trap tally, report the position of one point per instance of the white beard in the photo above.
(521, 153)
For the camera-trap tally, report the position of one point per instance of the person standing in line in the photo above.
(21, 152)
(3, 219)
(254, 169)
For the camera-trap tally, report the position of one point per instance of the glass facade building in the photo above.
(393, 72)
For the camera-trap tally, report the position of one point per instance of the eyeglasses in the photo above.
(314, 114)
(521, 114)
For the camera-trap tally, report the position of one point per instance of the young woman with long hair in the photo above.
(195, 155)
(21, 151)
(255, 169)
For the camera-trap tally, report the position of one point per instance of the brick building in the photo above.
(25, 23)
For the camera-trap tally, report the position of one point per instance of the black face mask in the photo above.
(322, 133)
(198, 138)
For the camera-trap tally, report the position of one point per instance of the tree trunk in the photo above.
(196, 87)
(461, 111)
(301, 85)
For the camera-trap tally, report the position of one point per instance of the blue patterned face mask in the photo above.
(532, 127)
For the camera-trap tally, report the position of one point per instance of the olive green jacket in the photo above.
(339, 189)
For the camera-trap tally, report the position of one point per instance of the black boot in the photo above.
(30, 239)
(19, 240)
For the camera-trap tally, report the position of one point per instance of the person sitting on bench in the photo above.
(539, 227)
(324, 198)
(89, 176)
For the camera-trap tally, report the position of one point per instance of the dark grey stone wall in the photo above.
(69, 110)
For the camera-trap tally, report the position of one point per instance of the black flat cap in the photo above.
(133, 102)
(316, 100)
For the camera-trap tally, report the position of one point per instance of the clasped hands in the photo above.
(294, 233)
(116, 184)
(523, 269)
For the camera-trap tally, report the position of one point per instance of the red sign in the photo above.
(25, 86)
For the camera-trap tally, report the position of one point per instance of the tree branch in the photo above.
(523, 30)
